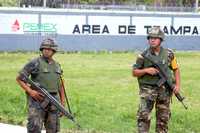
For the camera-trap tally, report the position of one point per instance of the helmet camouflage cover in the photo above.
(48, 43)
(156, 32)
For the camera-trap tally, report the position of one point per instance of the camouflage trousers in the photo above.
(38, 116)
(150, 96)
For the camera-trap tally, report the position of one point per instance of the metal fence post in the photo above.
(44, 3)
(197, 5)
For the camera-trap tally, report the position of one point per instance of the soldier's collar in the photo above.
(47, 60)
(153, 53)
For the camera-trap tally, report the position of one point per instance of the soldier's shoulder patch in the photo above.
(34, 60)
(140, 56)
(169, 50)
(60, 70)
(33, 63)
(170, 53)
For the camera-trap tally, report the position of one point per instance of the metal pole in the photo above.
(44, 3)
(68, 3)
(18, 3)
(113, 2)
(196, 5)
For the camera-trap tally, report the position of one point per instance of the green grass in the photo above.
(102, 92)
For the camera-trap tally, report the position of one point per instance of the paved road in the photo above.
(7, 128)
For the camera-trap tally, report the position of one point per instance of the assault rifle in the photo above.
(164, 79)
(48, 98)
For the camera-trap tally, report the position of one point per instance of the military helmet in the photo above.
(48, 43)
(156, 32)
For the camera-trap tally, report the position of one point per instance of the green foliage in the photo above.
(102, 93)
(149, 1)
(9, 3)
(88, 1)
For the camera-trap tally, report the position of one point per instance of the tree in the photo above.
(9, 3)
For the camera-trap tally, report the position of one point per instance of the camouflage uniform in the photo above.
(47, 75)
(151, 94)
(37, 116)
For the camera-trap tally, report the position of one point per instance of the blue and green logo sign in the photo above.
(39, 27)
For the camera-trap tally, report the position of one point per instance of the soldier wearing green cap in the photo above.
(47, 72)
(150, 94)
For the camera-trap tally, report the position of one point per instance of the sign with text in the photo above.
(97, 25)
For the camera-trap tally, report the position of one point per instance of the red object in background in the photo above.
(15, 26)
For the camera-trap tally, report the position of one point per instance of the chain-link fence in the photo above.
(132, 5)
(132, 8)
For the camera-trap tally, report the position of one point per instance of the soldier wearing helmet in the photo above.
(147, 75)
(157, 33)
(47, 72)
(48, 44)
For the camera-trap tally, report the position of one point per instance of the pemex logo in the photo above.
(15, 26)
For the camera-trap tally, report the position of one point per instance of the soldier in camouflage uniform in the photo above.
(45, 71)
(150, 93)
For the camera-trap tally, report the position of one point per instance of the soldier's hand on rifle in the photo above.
(63, 104)
(151, 71)
(60, 114)
(176, 89)
(36, 95)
